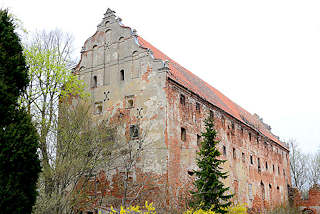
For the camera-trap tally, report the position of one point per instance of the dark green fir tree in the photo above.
(19, 162)
(211, 192)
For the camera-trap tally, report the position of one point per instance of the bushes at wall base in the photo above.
(234, 209)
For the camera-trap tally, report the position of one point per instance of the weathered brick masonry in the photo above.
(311, 205)
(127, 76)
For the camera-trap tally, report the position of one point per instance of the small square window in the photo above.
(182, 99)
(129, 101)
(134, 131)
(98, 108)
(183, 134)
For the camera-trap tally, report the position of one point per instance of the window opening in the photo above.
(198, 107)
(278, 170)
(122, 75)
(259, 167)
(182, 99)
(134, 131)
(273, 167)
(249, 136)
(183, 134)
(266, 165)
(234, 153)
(224, 151)
(198, 140)
(95, 82)
(211, 114)
(251, 159)
(243, 157)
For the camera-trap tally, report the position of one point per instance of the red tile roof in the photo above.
(189, 80)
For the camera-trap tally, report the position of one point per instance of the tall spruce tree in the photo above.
(19, 163)
(211, 192)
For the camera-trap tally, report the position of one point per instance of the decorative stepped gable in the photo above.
(193, 83)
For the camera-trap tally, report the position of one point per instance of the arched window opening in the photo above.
(95, 82)
(122, 75)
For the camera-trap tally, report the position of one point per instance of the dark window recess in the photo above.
(134, 131)
(182, 99)
(279, 170)
(234, 153)
(278, 188)
(232, 126)
(251, 159)
(130, 103)
(284, 172)
(273, 167)
(198, 140)
(266, 165)
(259, 167)
(224, 151)
(249, 136)
(183, 134)
(211, 114)
(190, 173)
(122, 75)
(89, 212)
(95, 82)
(243, 157)
(241, 131)
(198, 107)
(270, 186)
(257, 139)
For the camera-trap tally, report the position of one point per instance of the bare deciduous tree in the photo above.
(298, 166)
(82, 149)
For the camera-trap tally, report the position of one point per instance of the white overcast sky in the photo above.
(264, 55)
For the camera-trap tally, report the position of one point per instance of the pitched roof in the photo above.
(189, 80)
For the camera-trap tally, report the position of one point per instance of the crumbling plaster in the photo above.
(160, 115)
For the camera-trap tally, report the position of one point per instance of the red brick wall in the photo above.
(313, 201)
(241, 172)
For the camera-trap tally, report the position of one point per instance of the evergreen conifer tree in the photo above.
(19, 163)
(211, 192)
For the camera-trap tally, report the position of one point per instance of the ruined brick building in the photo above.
(126, 75)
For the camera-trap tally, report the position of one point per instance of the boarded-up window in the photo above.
(106, 80)
(250, 192)
(135, 65)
